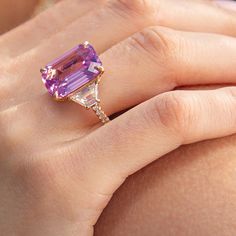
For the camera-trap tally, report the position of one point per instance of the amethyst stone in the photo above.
(71, 71)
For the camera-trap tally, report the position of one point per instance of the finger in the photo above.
(201, 15)
(151, 130)
(158, 60)
(44, 26)
(123, 17)
(149, 63)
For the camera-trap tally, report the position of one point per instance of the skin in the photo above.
(55, 182)
(190, 191)
(13, 13)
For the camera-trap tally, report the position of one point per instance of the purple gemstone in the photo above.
(71, 71)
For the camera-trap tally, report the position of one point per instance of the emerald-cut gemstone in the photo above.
(70, 72)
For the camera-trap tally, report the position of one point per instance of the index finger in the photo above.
(43, 26)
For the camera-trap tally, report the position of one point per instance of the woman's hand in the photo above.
(58, 167)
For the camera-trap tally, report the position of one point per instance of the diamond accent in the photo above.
(100, 113)
(87, 96)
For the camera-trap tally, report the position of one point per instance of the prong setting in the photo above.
(43, 70)
(75, 76)
(100, 69)
(86, 43)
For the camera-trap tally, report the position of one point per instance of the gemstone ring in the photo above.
(75, 76)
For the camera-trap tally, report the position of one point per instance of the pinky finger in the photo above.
(157, 127)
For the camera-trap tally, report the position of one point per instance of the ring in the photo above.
(75, 76)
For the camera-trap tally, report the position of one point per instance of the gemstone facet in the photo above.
(88, 96)
(70, 72)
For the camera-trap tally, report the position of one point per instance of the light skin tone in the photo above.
(59, 167)
(190, 191)
(12, 13)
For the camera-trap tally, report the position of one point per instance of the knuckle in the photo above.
(172, 111)
(160, 43)
(140, 7)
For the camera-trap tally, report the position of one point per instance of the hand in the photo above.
(59, 168)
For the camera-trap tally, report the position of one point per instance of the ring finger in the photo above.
(163, 57)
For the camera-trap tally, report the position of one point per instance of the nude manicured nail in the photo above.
(227, 4)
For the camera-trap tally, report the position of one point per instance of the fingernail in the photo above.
(227, 4)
